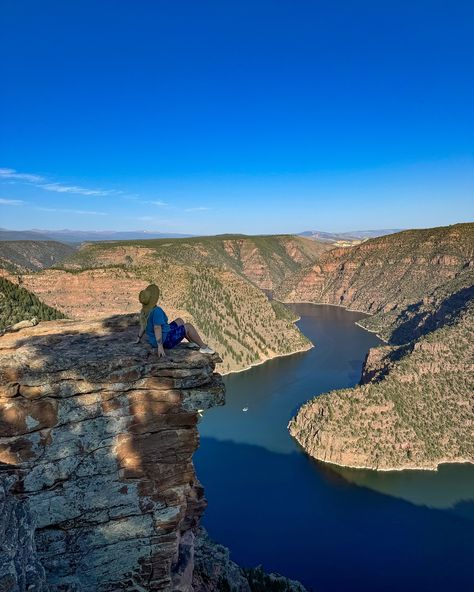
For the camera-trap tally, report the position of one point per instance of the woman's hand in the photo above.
(161, 351)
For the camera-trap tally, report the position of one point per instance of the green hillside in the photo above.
(18, 304)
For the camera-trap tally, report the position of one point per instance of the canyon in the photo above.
(214, 282)
(20, 256)
(415, 284)
(414, 406)
(97, 435)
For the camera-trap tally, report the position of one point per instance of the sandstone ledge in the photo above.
(99, 435)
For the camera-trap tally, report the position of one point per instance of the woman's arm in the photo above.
(141, 332)
(143, 318)
(159, 340)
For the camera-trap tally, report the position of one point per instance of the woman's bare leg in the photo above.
(193, 335)
(179, 321)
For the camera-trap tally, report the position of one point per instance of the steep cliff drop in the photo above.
(96, 445)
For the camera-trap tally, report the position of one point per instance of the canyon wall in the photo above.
(19, 256)
(414, 407)
(96, 444)
(395, 278)
(232, 314)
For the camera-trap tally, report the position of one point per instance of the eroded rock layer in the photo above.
(99, 435)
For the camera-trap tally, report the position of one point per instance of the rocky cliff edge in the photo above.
(96, 444)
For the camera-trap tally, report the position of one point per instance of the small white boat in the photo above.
(245, 409)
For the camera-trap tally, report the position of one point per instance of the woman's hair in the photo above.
(144, 318)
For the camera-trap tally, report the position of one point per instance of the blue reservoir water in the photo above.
(334, 529)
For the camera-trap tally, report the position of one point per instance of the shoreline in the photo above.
(298, 351)
(433, 469)
(312, 344)
(374, 332)
(369, 314)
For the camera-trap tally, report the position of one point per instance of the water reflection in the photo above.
(444, 488)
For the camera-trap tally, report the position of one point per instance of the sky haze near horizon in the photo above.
(254, 117)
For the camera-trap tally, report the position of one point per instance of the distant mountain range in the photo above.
(353, 235)
(81, 236)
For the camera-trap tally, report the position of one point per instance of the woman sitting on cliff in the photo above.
(159, 332)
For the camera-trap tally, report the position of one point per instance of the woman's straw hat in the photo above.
(149, 297)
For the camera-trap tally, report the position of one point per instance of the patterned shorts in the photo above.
(175, 335)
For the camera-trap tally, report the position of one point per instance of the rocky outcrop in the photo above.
(98, 436)
(414, 408)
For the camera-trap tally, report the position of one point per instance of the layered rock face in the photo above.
(392, 277)
(20, 568)
(414, 407)
(98, 435)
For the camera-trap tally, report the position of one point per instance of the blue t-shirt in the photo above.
(157, 317)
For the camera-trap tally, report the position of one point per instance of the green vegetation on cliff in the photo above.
(18, 304)
(233, 314)
(414, 411)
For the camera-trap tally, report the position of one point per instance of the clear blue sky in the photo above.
(236, 116)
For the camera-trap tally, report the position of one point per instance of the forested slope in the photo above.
(18, 304)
